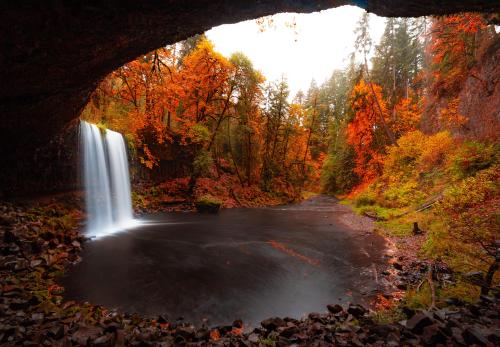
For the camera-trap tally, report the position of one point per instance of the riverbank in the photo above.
(226, 190)
(39, 242)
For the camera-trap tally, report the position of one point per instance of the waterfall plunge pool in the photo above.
(242, 263)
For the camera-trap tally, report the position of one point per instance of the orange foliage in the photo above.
(453, 48)
(362, 131)
(214, 334)
(205, 91)
(407, 116)
(450, 116)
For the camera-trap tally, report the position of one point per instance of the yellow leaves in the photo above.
(149, 161)
(416, 152)
(407, 116)
(435, 150)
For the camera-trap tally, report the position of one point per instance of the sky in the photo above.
(316, 45)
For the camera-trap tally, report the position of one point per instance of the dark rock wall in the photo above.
(53, 53)
(480, 96)
(52, 167)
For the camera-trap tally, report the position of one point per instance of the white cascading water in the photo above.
(106, 180)
(120, 180)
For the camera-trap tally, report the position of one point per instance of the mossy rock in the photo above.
(208, 204)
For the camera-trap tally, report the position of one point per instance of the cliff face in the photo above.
(55, 52)
(480, 96)
(478, 99)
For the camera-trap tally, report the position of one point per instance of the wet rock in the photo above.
(455, 302)
(47, 236)
(382, 330)
(288, 331)
(56, 332)
(119, 338)
(456, 334)
(85, 333)
(225, 329)
(393, 340)
(283, 342)
(397, 266)
(10, 237)
(188, 332)
(179, 340)
(5, 222)
(401, 285)
(202, 334)
(19, 304)
(254, 338)
(487, 299)
(316, 317)
(272, 323)
(408, 312)
(356, 310)
(335, 308)
(473, 335)
(37, 316)
(161, 320)
(238, 323)
(36, 247)
(474, 309)
(36, 262)
(418, 322)
(433, 334)
(101, 341)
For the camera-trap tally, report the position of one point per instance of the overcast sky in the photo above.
(319, 43)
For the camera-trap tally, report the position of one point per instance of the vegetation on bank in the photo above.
(391, 136)
(404, 153)
(191, 115)
(452, 194)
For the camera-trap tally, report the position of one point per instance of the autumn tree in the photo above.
(364, 131)
(275, 111)
(247, 132)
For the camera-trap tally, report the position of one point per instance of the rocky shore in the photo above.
(38, 243)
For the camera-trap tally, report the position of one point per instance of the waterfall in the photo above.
(106, 180)
(120, 182)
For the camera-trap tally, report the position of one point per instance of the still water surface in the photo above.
(241, 263)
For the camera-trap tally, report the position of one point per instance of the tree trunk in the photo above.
(489, 276)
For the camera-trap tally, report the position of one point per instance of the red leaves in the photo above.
(362, 131)
(282, 247)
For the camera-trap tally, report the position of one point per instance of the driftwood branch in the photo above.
(428, 279)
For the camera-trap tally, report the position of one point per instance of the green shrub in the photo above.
(202, 163)
(208, 203)
(337, 175)
(404, 194)
(366, 198)
(470, 211)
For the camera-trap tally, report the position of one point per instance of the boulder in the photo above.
(418, 322)
(272, 323)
